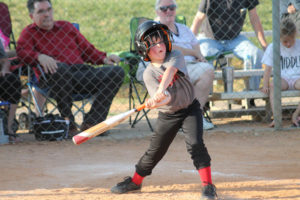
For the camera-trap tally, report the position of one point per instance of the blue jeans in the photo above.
(241, 46)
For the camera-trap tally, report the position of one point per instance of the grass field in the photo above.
(106, 23)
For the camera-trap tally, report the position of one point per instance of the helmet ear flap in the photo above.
(147, 44)
(141, 48)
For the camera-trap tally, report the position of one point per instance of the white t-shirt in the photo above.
(289, 60)
(186, 39)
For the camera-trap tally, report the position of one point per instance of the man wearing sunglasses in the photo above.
(221, 22)
(200, 71)
(171, 7)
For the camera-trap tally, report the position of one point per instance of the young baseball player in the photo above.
(173, 95)
(289, 63)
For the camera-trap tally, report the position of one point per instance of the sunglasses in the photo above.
(165, 8)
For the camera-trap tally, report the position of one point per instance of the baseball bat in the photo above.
(104, 126)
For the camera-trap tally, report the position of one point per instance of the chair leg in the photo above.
(137, 119)
(130, 100)
(206, 114)
(141, 101)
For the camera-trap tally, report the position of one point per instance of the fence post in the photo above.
(276, 65)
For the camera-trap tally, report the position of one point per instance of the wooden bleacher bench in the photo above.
(246, 94)
(240, 73)
(256, 94)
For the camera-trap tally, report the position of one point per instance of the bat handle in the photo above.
(141, 107)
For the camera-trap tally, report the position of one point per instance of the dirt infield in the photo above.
(247, 163)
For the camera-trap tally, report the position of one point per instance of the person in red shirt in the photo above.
(62, 51)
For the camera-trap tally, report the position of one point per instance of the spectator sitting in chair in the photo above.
(62, 52)
(200, 71)
(221, 22)
(10, 90)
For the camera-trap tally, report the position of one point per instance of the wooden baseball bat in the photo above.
(104, 126)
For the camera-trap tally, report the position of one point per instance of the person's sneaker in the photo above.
(126, 186)
(209, 192)
(207, 125)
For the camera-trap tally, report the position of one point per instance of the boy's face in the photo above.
(288, 41)
(157, 50)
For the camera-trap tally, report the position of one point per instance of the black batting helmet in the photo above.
(144, 30)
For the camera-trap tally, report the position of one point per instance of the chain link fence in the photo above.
(105, 26)
(232, 31)
(248, 94)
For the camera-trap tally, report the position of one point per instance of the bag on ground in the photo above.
(50, 128)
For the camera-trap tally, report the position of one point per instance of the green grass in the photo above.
(106, 22)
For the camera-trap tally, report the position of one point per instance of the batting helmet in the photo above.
(144, 30)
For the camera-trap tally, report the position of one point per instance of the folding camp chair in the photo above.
(79, 101)
(6, 25)
(6, 30)
(140, 91)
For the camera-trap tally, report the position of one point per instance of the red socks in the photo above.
(137, 179)
(205, 175)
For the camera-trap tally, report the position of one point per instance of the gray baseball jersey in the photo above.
(180, 89)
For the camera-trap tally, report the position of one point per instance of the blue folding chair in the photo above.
(84, 99)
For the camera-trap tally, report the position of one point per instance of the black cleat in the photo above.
(209, 192)
(125, 186)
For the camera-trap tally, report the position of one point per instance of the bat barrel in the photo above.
(78, 139)
(101, 127)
